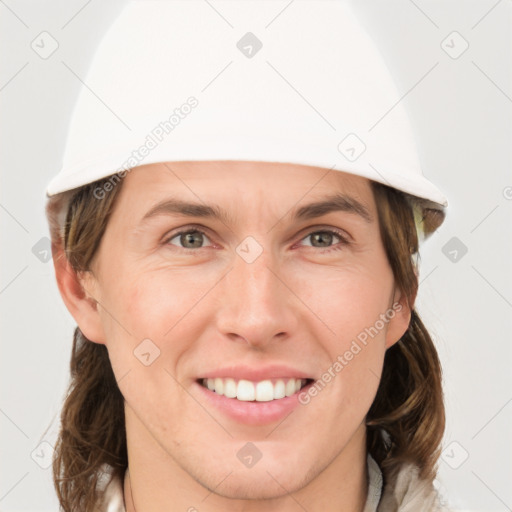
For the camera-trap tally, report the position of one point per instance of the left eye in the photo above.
(325, 237)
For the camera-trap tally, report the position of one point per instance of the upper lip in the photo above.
(257, 373)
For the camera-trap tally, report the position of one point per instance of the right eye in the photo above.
(189, 239)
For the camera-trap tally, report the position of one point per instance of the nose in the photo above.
(257, 304)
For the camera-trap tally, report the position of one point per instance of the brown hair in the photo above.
(407, 418)
(405, 423)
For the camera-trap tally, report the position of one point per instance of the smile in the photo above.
(249, 391)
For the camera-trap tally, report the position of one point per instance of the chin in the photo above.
(251, 488)
(269, 482)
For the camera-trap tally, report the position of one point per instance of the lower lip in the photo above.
(253, 413)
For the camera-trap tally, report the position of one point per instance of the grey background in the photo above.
(461, 109)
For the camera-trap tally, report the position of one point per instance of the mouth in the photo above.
(254, 391)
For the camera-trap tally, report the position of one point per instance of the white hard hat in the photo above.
(174, 80)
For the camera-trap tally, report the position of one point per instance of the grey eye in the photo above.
(192, 239)
(322, 238)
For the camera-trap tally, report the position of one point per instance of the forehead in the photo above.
(229, 180)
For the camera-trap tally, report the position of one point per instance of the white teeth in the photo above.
(290, 387)
(244, 391)
(230, 388)
(279, 389)
(219, 384)
(247, 391)
(264, 391)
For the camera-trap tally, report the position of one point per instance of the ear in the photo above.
(401, 319)
(76, 294)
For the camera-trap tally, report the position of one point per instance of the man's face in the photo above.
(258, 295)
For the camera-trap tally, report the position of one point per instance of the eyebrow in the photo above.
(332, 203)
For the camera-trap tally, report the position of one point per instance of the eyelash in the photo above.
(341, 245)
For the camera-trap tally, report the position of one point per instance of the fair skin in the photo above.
(300, 303)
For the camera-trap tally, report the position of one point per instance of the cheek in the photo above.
(148, 332)
(350, 302)
(348, 299)
(149, 305)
